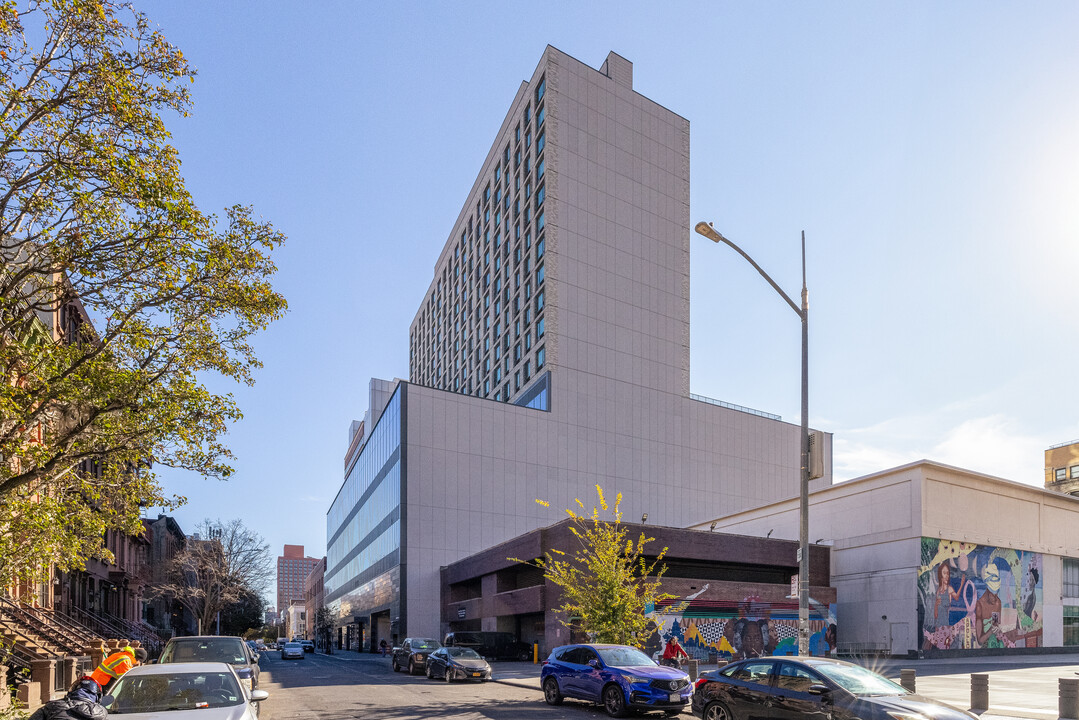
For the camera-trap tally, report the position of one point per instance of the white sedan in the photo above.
(210, 691)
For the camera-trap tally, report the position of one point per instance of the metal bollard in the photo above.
(1068, 689)
(693, 670)
(979, 691)
(906, 679)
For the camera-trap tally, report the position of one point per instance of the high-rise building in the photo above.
(550, 354)
(292, 570)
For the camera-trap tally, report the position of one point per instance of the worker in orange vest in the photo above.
(116, 665)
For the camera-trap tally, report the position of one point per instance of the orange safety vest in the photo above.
(113, 667)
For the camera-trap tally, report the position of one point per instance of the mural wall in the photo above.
(732, 630)
(978, 596)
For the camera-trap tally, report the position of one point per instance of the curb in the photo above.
(518, 682)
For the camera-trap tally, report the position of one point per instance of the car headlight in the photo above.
(637, 681)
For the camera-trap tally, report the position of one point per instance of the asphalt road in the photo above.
(347, 685)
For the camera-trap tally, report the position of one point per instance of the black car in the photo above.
(412, 653)
(491, 645)
(811, 688)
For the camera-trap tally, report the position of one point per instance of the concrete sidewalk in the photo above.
(1020, 686)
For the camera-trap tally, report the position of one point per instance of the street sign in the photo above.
(794, 585)
(460, 613)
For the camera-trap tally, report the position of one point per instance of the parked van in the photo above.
(492, 645)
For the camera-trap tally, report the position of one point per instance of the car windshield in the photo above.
(179, 691)
(227, 650)
(425, 644)
(293, 646)
(857, 680)
(462, 653)
(623, 657)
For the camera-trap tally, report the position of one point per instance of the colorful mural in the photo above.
(711, 630)
(978, 596)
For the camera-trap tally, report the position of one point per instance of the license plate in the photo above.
(675, 697)
(476, 674)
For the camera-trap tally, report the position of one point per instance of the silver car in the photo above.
(291, 650)
(212, 688)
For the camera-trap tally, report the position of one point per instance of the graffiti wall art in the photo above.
(978, 596)
(732, 630)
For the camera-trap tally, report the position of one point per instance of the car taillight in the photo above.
(700, 681)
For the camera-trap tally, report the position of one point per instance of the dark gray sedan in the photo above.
(811, 688)
(457, 663)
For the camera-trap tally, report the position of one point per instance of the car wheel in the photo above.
(394, 665)
(551, 693)
(411, 668)
(614, 702)
(430, 675)
(449, 675)
(525, 655)
(716, 711)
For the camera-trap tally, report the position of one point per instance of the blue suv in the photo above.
(619, 677)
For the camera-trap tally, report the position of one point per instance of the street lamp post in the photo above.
(712, 234)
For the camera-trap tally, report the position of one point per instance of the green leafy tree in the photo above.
(244, 615)
(608, 583)
(117, 293)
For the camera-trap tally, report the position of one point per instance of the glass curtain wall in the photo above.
(363, 526)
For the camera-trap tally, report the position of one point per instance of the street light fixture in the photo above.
(714, 235)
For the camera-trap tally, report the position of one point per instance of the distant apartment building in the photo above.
(549, 354)
(292, 570)
(1062, 468)
(314, 597)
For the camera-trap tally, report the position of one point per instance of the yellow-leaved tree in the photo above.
(608, 582)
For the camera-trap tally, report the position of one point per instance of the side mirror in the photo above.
(254, 657)
(593, 663)
(107, 700)
(259, 695)
(819, 689)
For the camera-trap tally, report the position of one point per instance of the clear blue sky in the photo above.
(930, 151)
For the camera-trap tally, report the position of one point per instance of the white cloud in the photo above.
(991, 444)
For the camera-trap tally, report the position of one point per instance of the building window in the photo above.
(1071, 625)
(539, 328)
(540, 115)
(540, 168)
(539, 275)
(541, 358)
(1061, 474)
(528, 371)
(1071, 578)
(1074, 472)
(541, 140)
(540, 195)
(541, 90)
(539, 302)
